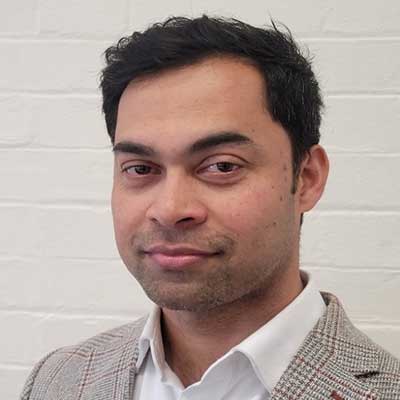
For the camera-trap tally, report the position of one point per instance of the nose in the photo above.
(176, 204)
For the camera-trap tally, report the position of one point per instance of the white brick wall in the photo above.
(61, 279)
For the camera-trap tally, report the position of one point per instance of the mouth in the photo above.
(178, 261)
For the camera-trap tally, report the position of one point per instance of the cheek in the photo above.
(126, 213)
(250, 210)
(259, 221)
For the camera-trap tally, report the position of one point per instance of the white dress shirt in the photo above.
(248, 371)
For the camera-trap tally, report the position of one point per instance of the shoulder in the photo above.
(356, 352)
(103, 342)
(71, 363)
(386, 362)
(387, 378)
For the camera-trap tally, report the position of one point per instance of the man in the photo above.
(215, 132)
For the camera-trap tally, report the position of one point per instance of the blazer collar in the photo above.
(331, 361)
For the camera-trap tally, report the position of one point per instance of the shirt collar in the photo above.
(151, 339)
(269, 349)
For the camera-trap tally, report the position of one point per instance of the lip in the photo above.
(177, 261)
(178, 256)
(177, 250)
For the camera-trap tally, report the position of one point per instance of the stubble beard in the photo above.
(224, 283)
(225, 278)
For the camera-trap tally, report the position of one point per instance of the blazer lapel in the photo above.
(111, 370)
(331, 362)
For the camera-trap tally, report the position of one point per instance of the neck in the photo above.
(195, 340)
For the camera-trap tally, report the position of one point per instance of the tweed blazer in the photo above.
(336, 361)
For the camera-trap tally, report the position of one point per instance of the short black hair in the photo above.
(293, 96)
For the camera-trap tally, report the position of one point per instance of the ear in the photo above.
(312, 178)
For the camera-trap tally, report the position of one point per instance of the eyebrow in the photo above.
(206, 143)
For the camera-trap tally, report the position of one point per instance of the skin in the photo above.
(245, 210)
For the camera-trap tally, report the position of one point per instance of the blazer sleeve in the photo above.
(30, 382)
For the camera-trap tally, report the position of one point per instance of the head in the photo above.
(227, 120)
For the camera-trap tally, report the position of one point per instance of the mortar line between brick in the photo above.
(362, 323)
(95, 93)
(107, 150)
(96, 207)
(34, 257)
(349, 269)
(123, 318)
(107, 40)
(103, 150)
(15, 367)
(106, 208)
(53, 94)
(77, 315)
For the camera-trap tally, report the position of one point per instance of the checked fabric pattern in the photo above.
(336, 361)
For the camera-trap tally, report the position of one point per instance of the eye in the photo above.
(138, 169)
(224, 166)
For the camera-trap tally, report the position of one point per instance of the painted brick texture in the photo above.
(61, 279)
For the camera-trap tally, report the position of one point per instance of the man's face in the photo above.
(231, 199)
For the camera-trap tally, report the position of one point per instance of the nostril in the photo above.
(186, 219)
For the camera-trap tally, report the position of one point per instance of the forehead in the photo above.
(177, 107)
